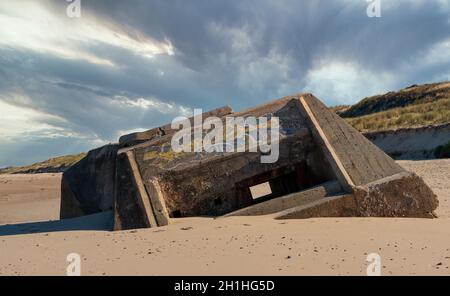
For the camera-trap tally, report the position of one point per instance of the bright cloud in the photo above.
(70, 84)
(25, 122)
(340, 82)
(152, 104)
(32, 25)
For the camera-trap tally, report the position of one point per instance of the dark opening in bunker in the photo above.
(176, 214)
(218, 201)
(276, 183)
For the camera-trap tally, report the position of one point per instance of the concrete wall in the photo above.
(88, 186)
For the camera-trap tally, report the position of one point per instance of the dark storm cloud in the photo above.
(78, 92)
(302, 30)
(239, 53)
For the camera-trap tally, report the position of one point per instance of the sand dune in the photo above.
(250, 245)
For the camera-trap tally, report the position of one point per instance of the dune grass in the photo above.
(413, 95)
(431, 113)
(56, 164)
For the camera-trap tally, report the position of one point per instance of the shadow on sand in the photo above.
(100, 221)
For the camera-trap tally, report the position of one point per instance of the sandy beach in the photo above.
(227, 246)
(29, 198)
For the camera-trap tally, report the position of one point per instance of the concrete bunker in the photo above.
(325, 168)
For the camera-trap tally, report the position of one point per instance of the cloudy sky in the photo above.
(71, 84)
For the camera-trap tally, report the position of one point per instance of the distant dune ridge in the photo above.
(413, 107)
(412, 95)
(413, 123)
(52, 165)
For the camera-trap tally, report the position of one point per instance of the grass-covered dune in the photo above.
(53, 165)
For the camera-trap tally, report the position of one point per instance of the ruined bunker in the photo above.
(325, 168)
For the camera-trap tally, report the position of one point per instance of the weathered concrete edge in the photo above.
(352, 204)
(334, 206)
(404, 194)
(138, 137)
(143, 198)
(157, 202)
(337, 166)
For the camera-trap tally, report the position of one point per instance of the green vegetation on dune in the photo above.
(414, 106)
(413, 95)
(417, 115)
(53, 165)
